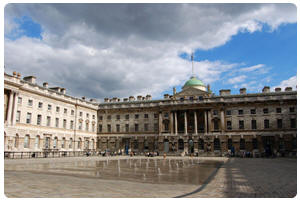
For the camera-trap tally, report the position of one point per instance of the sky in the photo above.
(120, 50)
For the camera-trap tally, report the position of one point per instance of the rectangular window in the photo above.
(228, 112)
(56, 122)
(155, 116)
(100, 128)
(93, 127)
(49, 107)
(293, 123)
(241, 112)
(215, 112)
(57, 109)
(278, 110)
(216, 125)
(80, 114)
(136, 127)
(253, 124)
(65, 111)
(156, 127)
(229, 127)
(241, 124)
(266, 123)
(87, 115)
(127, 127)
(292, 109)
(48, 121)
(136, 116)
(118, 117)
(28, 118)
(265, 110)
(253, 111)
(100, 117)
(19, 100)
(166, 115)
(18, 117)
(108, 128)
(93, 116)
(72, 112)
(80, 126)
(71, 124)
(30, 102)
(118, 127)
(65, 123)
(126, 117)
(279, 123)
(146, 116)
(87, 126)
(108, 117)
(40, 105)
(39, 120)
(146, 127)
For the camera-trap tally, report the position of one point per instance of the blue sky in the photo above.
(122, 53)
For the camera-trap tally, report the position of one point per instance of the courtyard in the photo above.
(150, 177)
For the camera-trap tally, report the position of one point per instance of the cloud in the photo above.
(291, 82)
(252, 68)
(237, 79)
(106, 50)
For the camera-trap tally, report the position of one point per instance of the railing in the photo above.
(48, 154)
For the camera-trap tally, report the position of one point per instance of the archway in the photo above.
(191, 146)
(166, 145)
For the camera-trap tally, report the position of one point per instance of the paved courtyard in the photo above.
(237, 177)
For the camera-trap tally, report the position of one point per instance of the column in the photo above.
(176, 129)
(15, 109)
(185, 123)
(9, 110)
(195, 120)
(205, 122)
(172, 122)
(159, 123)
(209, 121)
(222, 121)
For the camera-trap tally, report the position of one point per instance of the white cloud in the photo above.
(237, 79)
(252, 68)
(291, 82)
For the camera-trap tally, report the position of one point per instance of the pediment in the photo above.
(191, 92)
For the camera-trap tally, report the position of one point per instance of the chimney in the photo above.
(143, 98)
(57, 89)
(45, 85)
(148, 97)
(63, 90)
(15, 74)
(139, 98)
(114, 99)
(106, 100)
(266, 89)
(119, 100)
(30, 79)
(243, 91)
(166, 96)
(18, 75)
(278, 89)
(93, 100)
(83, 98)
(125, 99)
(224, 92)
(288, 89)
(131, 98)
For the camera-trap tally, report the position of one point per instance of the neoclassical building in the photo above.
(39, 118)
(196, 121)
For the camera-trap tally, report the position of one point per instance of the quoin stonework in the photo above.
(191, 121)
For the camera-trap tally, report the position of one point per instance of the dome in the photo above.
(193, 82)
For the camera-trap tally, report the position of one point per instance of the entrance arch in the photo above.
(191, 146)
(166, 145)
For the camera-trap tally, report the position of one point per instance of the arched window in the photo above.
(200, 144)
(242, 144)
(229, 143)
(37, 142)
(166, 125)
(146, 145)
(17, 141)
(63, 142)
(93, 144)
(26, 141)
(135, 144)
(71, 143)
(254, 143)
(55, 143)
(216, 144)
(86, 144)
(180, 144)
(79, 143)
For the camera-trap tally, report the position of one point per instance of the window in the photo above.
(80, 126)
(265, 110)
(242, 144)
(155, 126)
(17, 141)
(279, 123)
(39, 119)
(166, 115)
(37, 142)
(253, 111)
(19, 100)
(87, 115)
(135, 144)
(200, 98)
(18, 116)
(55, 143)
(93, 116)
(65, 123)
(30, 102)
(146, 145)
(72, 112)
(200, 144)
(48, 120)
(180, 144)
(28, 118)
(126, 117)
(93, 143)
(49, 107)
(79, 144)
(93, 127)
(108, 117)
(229, 127)
(293, 123)
(56, 122)
(215, 112)
(118, 127)
(80, 114)
(228, 112)
(63, 141)
(292, 109)
(191, 98)
(57, 109)
(71, 143)
(254, 143)
(65, 111)
(47, 143)
(146, 127)
(216, 144)
(86, 144)
(100, 128)
(241, 112)
(266, 123)
(136, 116)
(241, 124)
(26, 141)
(87, 126)
(146, 116)
(108, 128)
(229, 143)
(40, 105)
(216, 124)
(155, 116)
(100, 117)
(278, 110)
(253, 124)
(71, 124)
(118, 117)
(127, 127)
(181, 99)
(136, 127)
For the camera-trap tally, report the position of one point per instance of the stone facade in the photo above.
(38, 118)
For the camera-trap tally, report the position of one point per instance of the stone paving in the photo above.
(238, 177)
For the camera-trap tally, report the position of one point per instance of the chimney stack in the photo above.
(278, 89)
(30, 79)
(288, 89)
(266, 89)
(45, 85)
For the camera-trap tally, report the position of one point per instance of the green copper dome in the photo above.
(193, 82)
